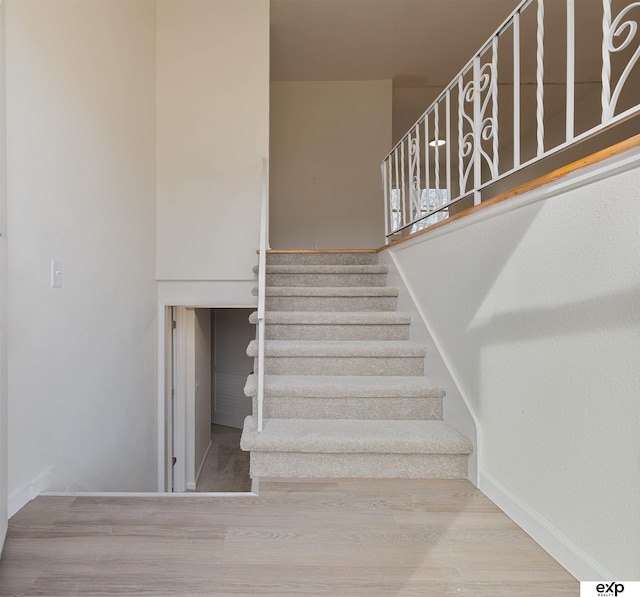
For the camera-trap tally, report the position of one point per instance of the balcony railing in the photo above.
(554, 75)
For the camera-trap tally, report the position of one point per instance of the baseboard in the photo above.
(553, 541)
(199, 471)
(149, 494)
(50, 480)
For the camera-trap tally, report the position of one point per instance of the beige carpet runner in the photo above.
(345, 391)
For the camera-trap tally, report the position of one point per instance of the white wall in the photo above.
(203, 386)
(328, 139)
(535, 305)
(212, 132)
(81, 148)
(232, 333)
(456, 412)
(409, 103)
(4, 461)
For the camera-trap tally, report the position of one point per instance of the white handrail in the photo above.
(262, 263)
(484, 155)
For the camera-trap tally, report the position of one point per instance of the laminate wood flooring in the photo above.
(297, 537)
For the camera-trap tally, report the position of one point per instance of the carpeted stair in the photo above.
(345, 393)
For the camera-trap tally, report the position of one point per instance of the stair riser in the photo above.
(375, 466)
(330, 303)
(336, 332)
(322, 259)
(292, 365)
(351, 408)
(332, 280)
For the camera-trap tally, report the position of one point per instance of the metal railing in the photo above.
(522, 98)
(262, 266)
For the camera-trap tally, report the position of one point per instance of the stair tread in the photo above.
(354, 436)
(324, 269)
(334, 317)
(349, 291)
(319, 251)
(338, 348)
(330, 386)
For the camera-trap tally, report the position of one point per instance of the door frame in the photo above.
(175, 386)
(176, 394)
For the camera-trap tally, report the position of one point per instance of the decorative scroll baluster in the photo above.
(479, 93)
(488, 125)
(611, 31)
(540, 77)
(468, 140)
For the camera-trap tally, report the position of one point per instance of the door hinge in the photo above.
(173, 461)
(173, 324)
(173, 393)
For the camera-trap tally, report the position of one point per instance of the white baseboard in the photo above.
(50, 480)
(199, 471)
(150, 494)
(553, 541)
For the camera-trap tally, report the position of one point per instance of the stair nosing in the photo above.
(333, 318)
(347, 386)
(339, 348)
(355, 436)
(335, 291)
(314, 269)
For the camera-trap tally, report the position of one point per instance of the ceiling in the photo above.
(409, 41)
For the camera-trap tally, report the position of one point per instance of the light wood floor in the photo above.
(332, 538)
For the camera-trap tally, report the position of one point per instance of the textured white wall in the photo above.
(212, 132)
(81, 148)
(455, 410)
(537, 309)
(328, 139)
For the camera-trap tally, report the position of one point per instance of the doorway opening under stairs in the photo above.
(206, 408)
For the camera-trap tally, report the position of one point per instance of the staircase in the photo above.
(345, 393)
